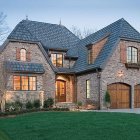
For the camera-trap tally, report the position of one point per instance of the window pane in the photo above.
(132, 55)
(88, 88)
(16, 82)
(23, 55)
(53, 58)
(32, 81)
(89, 56)
(59, 60)
(24, 81)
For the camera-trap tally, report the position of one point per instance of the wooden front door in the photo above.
(61, 91)
(120, 95)
(137, 96)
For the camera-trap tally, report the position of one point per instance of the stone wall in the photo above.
(81, 87)
(112, 69)
(45, 82)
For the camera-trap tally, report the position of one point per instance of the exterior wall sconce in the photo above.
(120, 74)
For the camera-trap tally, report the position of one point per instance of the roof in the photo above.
(53, 36)
(117, 30)
(24, 67)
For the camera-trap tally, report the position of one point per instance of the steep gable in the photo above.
(116, 30)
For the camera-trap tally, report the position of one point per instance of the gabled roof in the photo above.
(51, 36)
(117, 30)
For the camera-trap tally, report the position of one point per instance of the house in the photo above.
(40, 60)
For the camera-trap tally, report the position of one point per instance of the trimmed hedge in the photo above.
(4, 114)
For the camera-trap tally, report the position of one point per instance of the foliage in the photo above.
(29, 105)
(81, 34)
(36, 104)
(4, 29)
(48, 103)
(13, 106)
(79, 103)
(107, 97)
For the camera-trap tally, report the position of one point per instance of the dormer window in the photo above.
(57, 59)
(90, 55)
(22, 54)
(132, 55)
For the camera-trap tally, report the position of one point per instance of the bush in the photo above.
(13, 106)
(29, 105)
(107, 97)
(36, 104)
(79, 103)
(48, 103)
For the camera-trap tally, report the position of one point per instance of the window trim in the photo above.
(57, 59)
(88, 89)
(132, 54)
(28, 83)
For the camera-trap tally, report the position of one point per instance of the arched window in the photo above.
(22, 54)
(132, 55)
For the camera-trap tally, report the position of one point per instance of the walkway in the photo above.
(135, 110)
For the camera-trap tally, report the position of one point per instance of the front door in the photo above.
(61, 91)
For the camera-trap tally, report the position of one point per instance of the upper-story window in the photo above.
(132, 55)
(57, 59)
(90, 55)
(22, 54)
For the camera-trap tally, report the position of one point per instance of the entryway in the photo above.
(120, 95)
(61, 91)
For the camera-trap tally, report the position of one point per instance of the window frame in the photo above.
(90, 55)
(132, 54)
(25, 55)
(21, 82)
(88, 96)
(56, 57)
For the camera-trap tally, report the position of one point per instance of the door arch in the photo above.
(60, 91)
(137, 96)
(120, 95)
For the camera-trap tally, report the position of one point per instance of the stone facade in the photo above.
(109, 75)
(45, 82)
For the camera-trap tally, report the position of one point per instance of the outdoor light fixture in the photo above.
(120, 74)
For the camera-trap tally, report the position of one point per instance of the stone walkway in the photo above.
(136, 110)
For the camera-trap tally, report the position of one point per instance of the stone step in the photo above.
(66, 105)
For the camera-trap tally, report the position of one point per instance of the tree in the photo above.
(4, 29)
(81, 34)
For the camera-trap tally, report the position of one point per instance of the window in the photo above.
(22, 54)
(24, 82)
(57, 59)
(132, 55)
(89, 55)
(87, 88)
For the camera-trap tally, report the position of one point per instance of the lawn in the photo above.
(71, 126)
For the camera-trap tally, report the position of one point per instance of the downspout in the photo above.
(99, 86)
(75, 89)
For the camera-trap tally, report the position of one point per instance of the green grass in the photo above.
(71, 126)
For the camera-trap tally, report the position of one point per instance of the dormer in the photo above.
(93, 49)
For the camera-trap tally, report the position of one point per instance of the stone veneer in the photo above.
(45, 82)
(109, 75)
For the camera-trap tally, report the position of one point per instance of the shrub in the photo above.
(48, 103)
(107, 97)
(79, 103)
(13, 106)
(36, 104)
(29, 105)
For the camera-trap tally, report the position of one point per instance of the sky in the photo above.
(89, 14)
